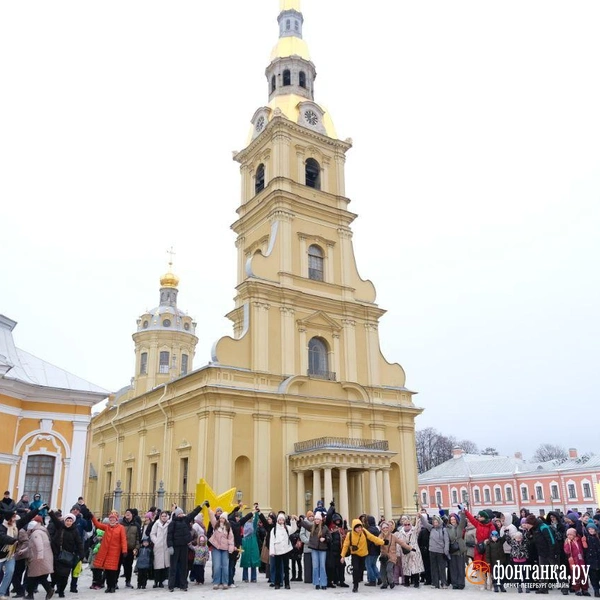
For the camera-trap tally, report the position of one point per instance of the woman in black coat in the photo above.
(66, 537)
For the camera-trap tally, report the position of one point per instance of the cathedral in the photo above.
(298, 404)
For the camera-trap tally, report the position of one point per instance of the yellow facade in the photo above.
(45, 417)
(299, 403)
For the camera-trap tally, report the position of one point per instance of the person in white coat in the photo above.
(508, 530)
(158, 535)
(280, 547)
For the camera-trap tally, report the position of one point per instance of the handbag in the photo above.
(66, 558)
(453, 547)
(405, 550)
(264, 552)
(480, 547)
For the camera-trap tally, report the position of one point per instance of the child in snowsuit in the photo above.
(144, 562)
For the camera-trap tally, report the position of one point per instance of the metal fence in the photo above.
(121, 501)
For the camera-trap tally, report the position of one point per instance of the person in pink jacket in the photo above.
(222, 545)
(575, 554)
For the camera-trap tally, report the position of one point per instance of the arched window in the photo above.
(313, 174)
(315, 263)
(287, 77)
(288, 25)
(302, 79)
(163, 365)
(318, 359)
(144, 363)
(259, 179)
(273, 83)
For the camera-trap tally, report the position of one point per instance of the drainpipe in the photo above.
(164, 469)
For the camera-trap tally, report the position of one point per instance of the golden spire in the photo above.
(289, 5)
(169, 279)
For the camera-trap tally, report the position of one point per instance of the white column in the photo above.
(73, 478)
(373, 502)
(317, 495)
(301, 496)
(262, 457)
(343, 500)
(303, 351)
(328, 485)
(387, 494)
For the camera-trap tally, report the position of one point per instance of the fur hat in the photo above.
(177, 512)
(71, 516)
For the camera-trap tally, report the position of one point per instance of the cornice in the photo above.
(276, 124)
(48, 395)
(23, 413)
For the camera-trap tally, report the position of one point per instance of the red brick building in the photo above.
(510, 483)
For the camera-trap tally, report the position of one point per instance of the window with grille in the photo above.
(476, 496)
(318, 358)
(39, 476)
(498, 494)
(587, 490)
(571, 488)
(438, 497)
(144, 363)
(454, 497)
(315, 263)
(424, 498)
(524, 494)
(465, 496)
(486, 495)
(554, 492)
(163, 365)
(184, 364)
(539, 492)
(509, 495)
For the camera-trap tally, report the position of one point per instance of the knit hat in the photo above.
(309, 513)
(485, 515)
(114, 513)
(591, 525)
(177, 512)
(494, 533)
(38, 519)
(149, 515)
(318, 516)
(224, 515)
(571, 531)
(455, 516)
(573, 516)
(71, 516)
(531, 520)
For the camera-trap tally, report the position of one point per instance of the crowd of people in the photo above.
(41, 548)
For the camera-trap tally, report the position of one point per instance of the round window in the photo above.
(145, 325)
(166, 323)
(186, 326)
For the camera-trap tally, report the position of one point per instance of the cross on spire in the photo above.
(171, 254)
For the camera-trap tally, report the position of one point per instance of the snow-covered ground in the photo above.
(262, 590)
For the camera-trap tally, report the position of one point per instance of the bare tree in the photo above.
(468, 446)
(433, 448)
(547, 452)
(489, 451)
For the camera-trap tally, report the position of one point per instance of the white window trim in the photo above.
(497, 487)
(591, 496)
(526, 488)
(478, 490)
(512, 497)
(574, 484)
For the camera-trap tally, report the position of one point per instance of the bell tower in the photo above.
(165, 340)
(301, 309)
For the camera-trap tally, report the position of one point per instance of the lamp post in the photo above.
(307, 498)
(416, 499)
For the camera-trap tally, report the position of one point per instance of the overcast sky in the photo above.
(475, 173)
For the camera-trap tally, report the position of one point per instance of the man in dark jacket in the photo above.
(22, 507)
(236, 522)
(179, 535)
(371, 559)
(546, 547)
(7, 504)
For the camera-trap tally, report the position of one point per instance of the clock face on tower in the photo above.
(260, 124)
(311, 117)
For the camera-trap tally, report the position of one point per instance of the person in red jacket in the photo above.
(484, 526)
(113, 547)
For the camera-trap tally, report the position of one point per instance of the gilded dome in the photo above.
(169, 280)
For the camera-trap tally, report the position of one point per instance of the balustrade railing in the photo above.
(341, 443)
